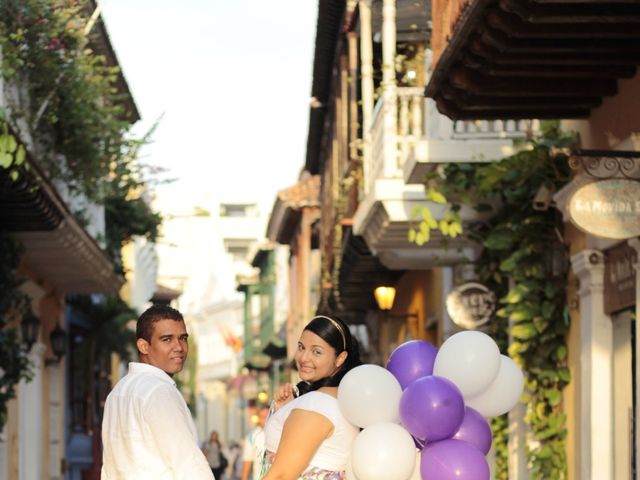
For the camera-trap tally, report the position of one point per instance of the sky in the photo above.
(231, 82)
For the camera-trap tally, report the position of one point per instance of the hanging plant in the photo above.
(14, 304)
(524, 261)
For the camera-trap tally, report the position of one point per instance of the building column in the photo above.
(635, 244)
(31, 439)
(596, 366)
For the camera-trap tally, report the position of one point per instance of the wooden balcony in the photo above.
(497, 59)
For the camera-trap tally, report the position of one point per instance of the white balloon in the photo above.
(369, 394)
(384, 451)
(503, 393)
(470, 359)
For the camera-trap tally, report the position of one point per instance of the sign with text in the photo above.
(619, 278)
(470, 305)
(607, 208)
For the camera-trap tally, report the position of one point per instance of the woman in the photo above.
(306, 436)
(215, 457)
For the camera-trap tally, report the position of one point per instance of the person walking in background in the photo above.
(234, 456)
(307, 436)
(253, 449)
(213, 451)
(147, 429)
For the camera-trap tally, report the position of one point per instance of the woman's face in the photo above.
(315, 358)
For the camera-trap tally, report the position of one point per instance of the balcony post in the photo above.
(390, 113)
(366, 67)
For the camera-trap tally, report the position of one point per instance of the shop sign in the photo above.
(607, 208)
(619, 278)
(470, 305)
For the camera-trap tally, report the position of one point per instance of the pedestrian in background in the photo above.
(307, 436)
(253, 449)
(215, 456)
(147, 430)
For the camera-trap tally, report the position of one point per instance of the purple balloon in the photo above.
(412, 360)
(453, 460)
(475, 430)
(432, 408)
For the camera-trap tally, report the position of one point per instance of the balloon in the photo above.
(432, 409)
(453, 460)
(383, 451)
(470, 359)
(369, 394)
(418, 443)
(503, 393)
(412, 360)
(475, 430)
(348, 474)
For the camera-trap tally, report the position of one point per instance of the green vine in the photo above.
(524, 260)
(75, 112)
(14, 304)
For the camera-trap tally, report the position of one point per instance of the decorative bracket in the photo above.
(603, 164)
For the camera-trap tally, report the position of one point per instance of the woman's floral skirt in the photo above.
(311, 473)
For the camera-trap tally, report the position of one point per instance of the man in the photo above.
(147, 430)
(253, 449)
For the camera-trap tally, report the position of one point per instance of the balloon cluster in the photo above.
(435, 401)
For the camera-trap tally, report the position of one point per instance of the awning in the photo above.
(56, 247)
(498, 59)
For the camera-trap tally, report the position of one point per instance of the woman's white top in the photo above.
(333, 452)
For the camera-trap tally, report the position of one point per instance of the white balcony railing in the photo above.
(387, 160)
(493, 129)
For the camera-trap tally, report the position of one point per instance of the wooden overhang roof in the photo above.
(329, 23)
(359, 273)
(57, 248)
(531, 58)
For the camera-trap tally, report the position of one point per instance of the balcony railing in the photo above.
(414, 119)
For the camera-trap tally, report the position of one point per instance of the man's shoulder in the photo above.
(140, 384)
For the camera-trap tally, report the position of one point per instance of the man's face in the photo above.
(168, 347)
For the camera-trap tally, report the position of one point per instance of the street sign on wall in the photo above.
(607, 208)
(619, 278)
(470, 305)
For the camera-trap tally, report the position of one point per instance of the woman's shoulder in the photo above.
(320, 402)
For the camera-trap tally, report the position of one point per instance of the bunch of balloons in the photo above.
(435, 401)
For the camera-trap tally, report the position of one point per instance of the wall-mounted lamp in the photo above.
(385, 296)
(30, 329)
(57, 340)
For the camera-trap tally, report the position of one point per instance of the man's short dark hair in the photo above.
(153, 314)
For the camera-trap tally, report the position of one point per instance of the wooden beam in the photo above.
(497, 113)
(470, 80)
(600, 12)
(514, 26)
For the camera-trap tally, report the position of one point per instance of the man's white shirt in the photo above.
(253, 450)
(148, 431)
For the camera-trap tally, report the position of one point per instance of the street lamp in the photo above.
(57, 340)
(30, 329)
(385, 297)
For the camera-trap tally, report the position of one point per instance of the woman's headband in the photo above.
(338, 326)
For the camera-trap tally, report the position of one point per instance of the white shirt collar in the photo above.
(139, 367)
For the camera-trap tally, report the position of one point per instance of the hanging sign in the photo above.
(470, 305)
(619, 278)
(607, 208)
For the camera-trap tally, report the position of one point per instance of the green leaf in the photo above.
(554, 396)
(412, 235)
(561, 352)
(522, 313)
(436, 196)
(524, 331)
(500, 240)
(20, 155)
(14, 175)
(6, 159)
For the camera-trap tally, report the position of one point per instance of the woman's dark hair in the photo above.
(337, 334)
